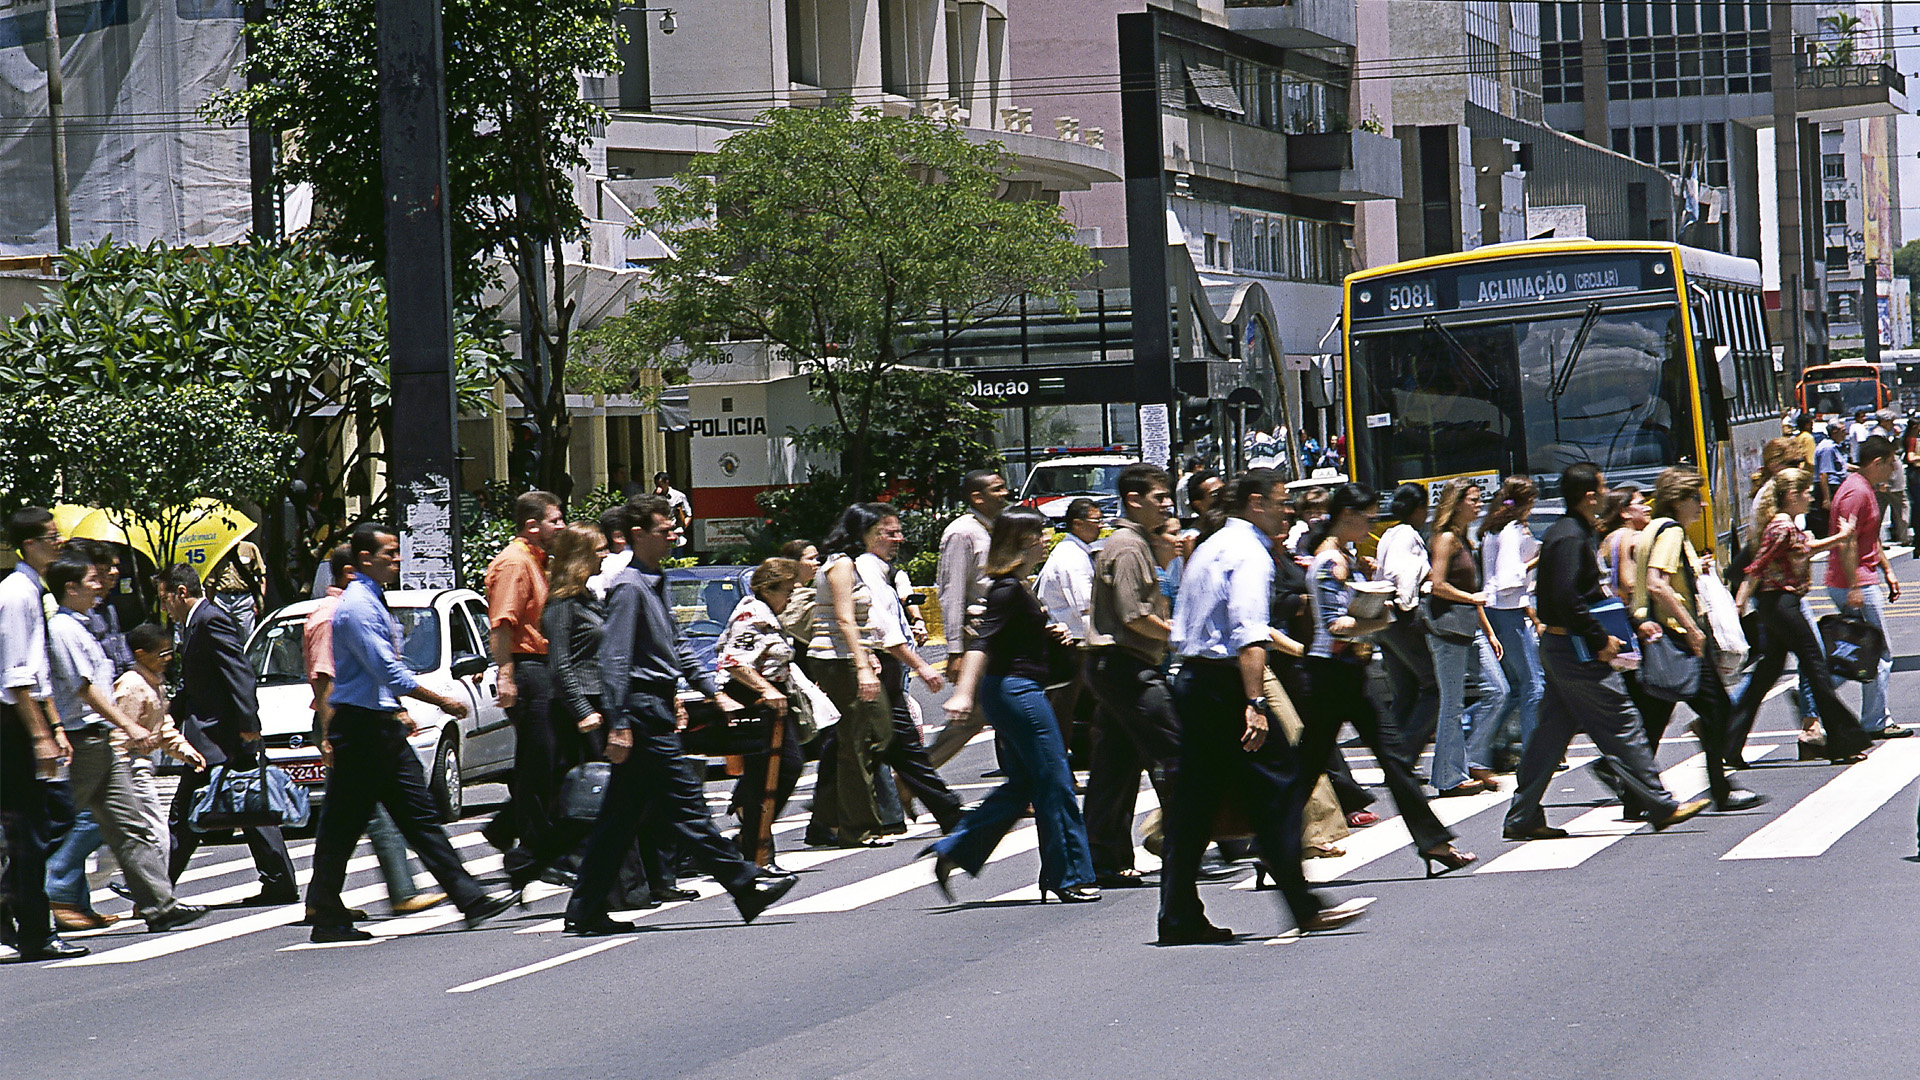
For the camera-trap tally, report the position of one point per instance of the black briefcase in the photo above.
(584, 791)
(713, 733)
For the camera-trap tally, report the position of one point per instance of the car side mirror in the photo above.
(467, 665)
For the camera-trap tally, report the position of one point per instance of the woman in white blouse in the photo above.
(1508, 552)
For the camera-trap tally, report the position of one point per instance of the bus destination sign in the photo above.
(1509, 282)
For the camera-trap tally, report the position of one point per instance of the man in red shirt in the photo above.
(516, 595)
(1858, 577)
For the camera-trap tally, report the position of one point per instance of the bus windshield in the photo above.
(1841, 395)
(1500, 397)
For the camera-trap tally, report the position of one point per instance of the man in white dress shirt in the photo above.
(1065, 587)
(962, 578)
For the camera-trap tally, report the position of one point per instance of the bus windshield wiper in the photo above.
(1460, 352)
(1558, 388)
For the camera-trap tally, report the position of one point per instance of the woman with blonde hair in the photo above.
(1463, 645)
(1777, 580)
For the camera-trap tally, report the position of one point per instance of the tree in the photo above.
(927, 434)
(153, 458)
(1906, 260)
(295, 335)
(1845, 26)
(29, 452)
(850, 243)
(517, 130)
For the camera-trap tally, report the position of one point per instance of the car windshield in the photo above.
(703, 600)
(278, 657)
(1841, 396)
(1073, 480)
(1503, 397)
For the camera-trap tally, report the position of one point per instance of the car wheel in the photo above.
(449, 794)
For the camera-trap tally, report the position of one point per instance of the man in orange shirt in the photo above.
(516, 595)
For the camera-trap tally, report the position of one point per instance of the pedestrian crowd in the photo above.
(1219, 654)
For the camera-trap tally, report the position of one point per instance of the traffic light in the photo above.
(1196, 418)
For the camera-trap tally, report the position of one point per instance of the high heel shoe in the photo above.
(1449, 858)
(1073, 894)
(1263, 879)
(943, 868)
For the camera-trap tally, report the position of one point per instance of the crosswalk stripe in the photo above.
(1378, 841)
(1597, 830)
(1817, 821)
(194, 937)
(543, 965)
(706, 887)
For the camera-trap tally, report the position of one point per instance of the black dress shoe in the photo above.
(761, 895)
(665, 896)
(352, 915)
(1121, 879)
(270, 898)
(1538, 832)
(51, 949)
(334, 933)
(1741, 799)
(554, 875)
(1201, 934)
(179, 916)
(488, 907)
(598, 926)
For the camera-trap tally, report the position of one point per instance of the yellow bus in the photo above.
(1527, 357)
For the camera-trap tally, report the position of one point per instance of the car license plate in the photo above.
(306, 772)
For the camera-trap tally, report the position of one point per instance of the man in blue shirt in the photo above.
(372, 762)
(1221, 634)
(642, 659)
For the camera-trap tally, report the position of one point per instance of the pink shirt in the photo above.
(1856, 500)
(317, 640)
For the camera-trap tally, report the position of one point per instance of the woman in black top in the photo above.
(1007, 666)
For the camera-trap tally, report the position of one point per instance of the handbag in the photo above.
(1723, 623)
(714, 733)
(1854, 646)
(249, 798)
(819, 714)
(584, 791)
(1458, 623)
(1668, 671)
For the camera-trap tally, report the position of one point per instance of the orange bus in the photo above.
(1841, 388)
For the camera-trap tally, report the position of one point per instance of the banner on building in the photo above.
(142, 164)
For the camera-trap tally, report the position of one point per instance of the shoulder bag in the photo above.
(1854, 646)
(584, 791)
(249, 798)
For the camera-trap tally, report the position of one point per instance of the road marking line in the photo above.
(1817, 821)
(1376, 842)
(544, 965)
(1597, 830)
(706, 887)
(179, 941)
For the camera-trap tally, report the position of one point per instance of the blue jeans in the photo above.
(1464, 738)
(67, 866)
(1037, 773)
(1520, 663)
(1873, 695)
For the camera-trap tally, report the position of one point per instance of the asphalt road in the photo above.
(1773, 943)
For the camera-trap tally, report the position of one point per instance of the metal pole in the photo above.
(1870, 312)
(260, 143)
(422, 438)
(1145, 169)
(57, 120)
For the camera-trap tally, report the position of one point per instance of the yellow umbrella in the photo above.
(209, 535)
(68, 517)
(93, 525)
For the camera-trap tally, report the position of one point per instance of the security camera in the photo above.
(667, 25)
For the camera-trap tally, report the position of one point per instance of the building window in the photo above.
(1837, 258)
(1833, 166)
(1840, 305)
(1836, 211)
(1207, 241)
(803, 41)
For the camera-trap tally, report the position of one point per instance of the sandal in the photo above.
(1321, 851)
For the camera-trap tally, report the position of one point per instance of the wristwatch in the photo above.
(1258, 703)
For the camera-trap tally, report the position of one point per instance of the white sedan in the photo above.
(445, 645)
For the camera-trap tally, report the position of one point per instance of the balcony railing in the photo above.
(1821, 76)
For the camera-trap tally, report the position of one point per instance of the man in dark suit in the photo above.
(217, 712)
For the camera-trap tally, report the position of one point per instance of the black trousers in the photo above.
(1211, 704)
(655, 768)
(539, 763)
(1710, 703)
(1592, 697)
(1328, 693)
(1788, 632)
(1134, 730)
(907, 756)
(1415, 715)
(269, 849)
(374, 765)
(26, 816)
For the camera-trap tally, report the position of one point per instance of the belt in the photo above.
(1560, 630)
